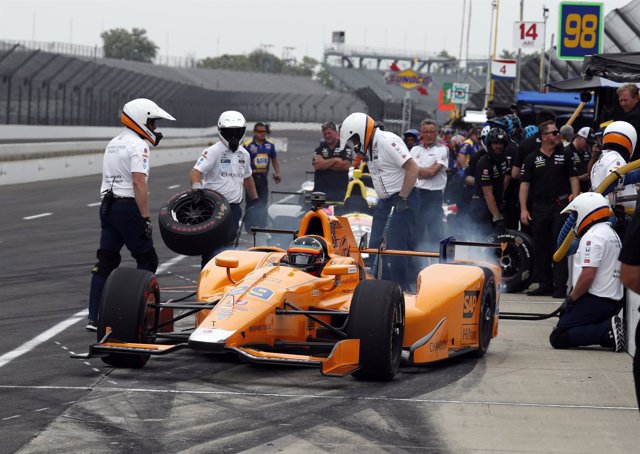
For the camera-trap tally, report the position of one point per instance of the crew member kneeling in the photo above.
(589, 315)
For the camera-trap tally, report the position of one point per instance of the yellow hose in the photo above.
(612, 177)
(576, 113)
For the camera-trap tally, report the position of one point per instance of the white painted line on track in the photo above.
(319, 396)
(10, 417)
(173, 186)
(57, 329)
(94, 204)
(36, 216)
(48, 334)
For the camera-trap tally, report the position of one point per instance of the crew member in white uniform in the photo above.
(618, 142)
(394, 174)
(432, 159)
(225, 167)
(589, 315)
(125, 218)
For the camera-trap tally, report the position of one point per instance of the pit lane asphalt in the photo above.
(185, 401)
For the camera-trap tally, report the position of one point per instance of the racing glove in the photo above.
(401, 204)
(197, 197)
(148, 228)
(567, 304)
(498, 223)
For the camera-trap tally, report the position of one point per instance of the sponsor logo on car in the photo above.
(470, 303)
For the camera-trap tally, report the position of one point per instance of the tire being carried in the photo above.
(517, 260)
(192, 230)
(376, 317)
(124, 308)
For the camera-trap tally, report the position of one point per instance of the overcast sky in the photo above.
(209, 28)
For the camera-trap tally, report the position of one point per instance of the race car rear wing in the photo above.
(446, 254)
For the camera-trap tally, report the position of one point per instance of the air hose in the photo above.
(629, 174)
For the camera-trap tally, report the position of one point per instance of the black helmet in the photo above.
(309, 253)
(497, 135)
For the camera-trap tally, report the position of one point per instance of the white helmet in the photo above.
(357, 124)
(483, 136)
(620, 136)
(136, 115)
(231, 128)
(590, 207)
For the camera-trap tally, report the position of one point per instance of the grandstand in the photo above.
(46, 88)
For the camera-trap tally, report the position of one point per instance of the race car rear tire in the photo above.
(376, 317)
(517, 260)
(124, 308)
(486, 316)
(194, 230)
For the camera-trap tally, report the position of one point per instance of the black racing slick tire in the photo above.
(517, 260)
(376, 317)
(193, 230)
(125, 310)
(486, 316)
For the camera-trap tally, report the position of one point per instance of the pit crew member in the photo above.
(548, 178)
(394, 173)
(263, 153)
(491, 177)
(225, 167)
(331, 164)
(589, 314)
(125, 218)
(411, 138)
(580, 146)
(432, 159)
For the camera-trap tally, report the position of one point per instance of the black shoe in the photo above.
(91, 326)
(560, 293)
(616, 334)
(541, 291)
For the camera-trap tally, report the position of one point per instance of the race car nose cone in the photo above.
(209, 339)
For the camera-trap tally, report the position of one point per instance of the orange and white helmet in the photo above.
(620, 136)
(137, 114)
(357, 128)
(590, 208)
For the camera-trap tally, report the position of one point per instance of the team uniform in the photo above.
(224, 171)
(587, 322)
(608, 162)
(581, 159)
(549, 190)
(431, 190)
(511, 211)
(120, 219)
(260, 156)
(388, 155)
(488, 172)
(332, 182)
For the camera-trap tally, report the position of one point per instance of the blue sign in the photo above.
(580, 28)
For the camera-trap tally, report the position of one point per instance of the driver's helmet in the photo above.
(309, 253)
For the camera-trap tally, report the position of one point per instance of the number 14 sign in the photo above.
(528, 35)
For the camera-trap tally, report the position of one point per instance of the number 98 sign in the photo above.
(580, 27)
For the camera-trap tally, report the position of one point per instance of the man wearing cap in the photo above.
(580, 148)
(331, 165)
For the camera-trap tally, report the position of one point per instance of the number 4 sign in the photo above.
(528, 35)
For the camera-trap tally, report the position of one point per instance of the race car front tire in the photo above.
(517, 260)
(124, 308)
(193, 230)
(486, 316)
(376, 317)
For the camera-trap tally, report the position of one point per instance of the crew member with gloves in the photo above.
(491, 177)
(263, 153)
(432, 159)
(331, 165)
(225, 167)
(394, 173)
(125, 219)
(589, 314)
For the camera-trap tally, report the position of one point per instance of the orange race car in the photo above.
(274, 306)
